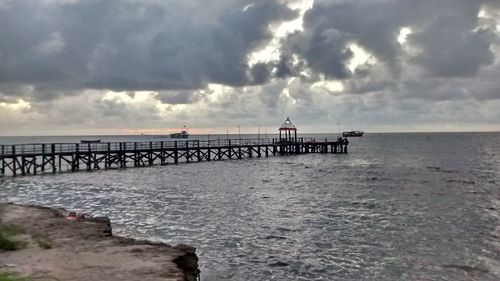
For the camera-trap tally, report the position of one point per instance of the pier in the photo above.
(32, 159)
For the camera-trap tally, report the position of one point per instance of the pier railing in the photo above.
(61, 148)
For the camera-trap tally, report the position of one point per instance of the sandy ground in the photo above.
(74, 248)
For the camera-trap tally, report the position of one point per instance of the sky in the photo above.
(75, 67)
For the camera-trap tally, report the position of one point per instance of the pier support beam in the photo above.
(176, 153)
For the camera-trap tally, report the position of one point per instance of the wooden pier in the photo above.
(32, 159)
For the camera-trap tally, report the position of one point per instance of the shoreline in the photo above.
(54, 244)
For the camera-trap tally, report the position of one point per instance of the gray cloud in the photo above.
(131, 45)
(179, 97)
(444, 32)
(451, 48)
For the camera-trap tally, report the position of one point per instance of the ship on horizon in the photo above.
(182, 135)
(353, 134)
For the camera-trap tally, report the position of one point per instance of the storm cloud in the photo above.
(446, 38)
(134, 45)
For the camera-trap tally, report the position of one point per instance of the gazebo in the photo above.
(287, 129)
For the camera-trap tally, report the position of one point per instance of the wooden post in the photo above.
(89, 157)
(14, 160)
(124, 155)
(162, 153)
(176, 153)
(107, 156)
(198, 152)
(53, 157)
(2, 171)
(42, 167)
(136, 155)
(76, 160)
(120, 154)
(94, 156)
(59, 159)
(23, 165)
(150, 154)
(187, 152)
(229, 150)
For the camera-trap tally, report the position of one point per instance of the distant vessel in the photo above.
(182, 135)
(353, 134)
(90, 141)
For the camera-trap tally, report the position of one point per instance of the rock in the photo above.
(88, 250)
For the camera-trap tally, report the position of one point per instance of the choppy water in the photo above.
(397, 207)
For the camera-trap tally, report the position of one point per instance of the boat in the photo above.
(90, 141)
(353, 134)
(182, 135)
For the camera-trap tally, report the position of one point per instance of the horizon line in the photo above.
(302, 133)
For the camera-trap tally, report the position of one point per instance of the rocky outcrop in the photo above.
(60, 245)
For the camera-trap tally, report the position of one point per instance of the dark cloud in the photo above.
(131, 45)
(444, 32)
(261, 73)
(450, 49)
(269, 95)
(178, 97)
(330, 26)
(284, 68)
(323, 50)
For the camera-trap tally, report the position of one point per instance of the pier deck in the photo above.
(31, 159)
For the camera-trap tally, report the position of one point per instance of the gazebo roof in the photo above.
(288, 126)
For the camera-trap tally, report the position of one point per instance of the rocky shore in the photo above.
(38, 243)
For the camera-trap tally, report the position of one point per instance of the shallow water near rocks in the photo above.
(397, 207)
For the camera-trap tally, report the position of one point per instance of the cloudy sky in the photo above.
(135, 66)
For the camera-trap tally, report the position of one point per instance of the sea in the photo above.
(398, 206)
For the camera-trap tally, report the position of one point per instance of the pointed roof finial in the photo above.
(288, 125)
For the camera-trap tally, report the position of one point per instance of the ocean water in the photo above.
(397, 207)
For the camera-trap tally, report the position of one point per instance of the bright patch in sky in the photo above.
(247, 7)
(403, 34)
(20, 105)
(271, 51)
(332, 86)
(286, 94)
(360, 57)
(129, 97)
(217, 92)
